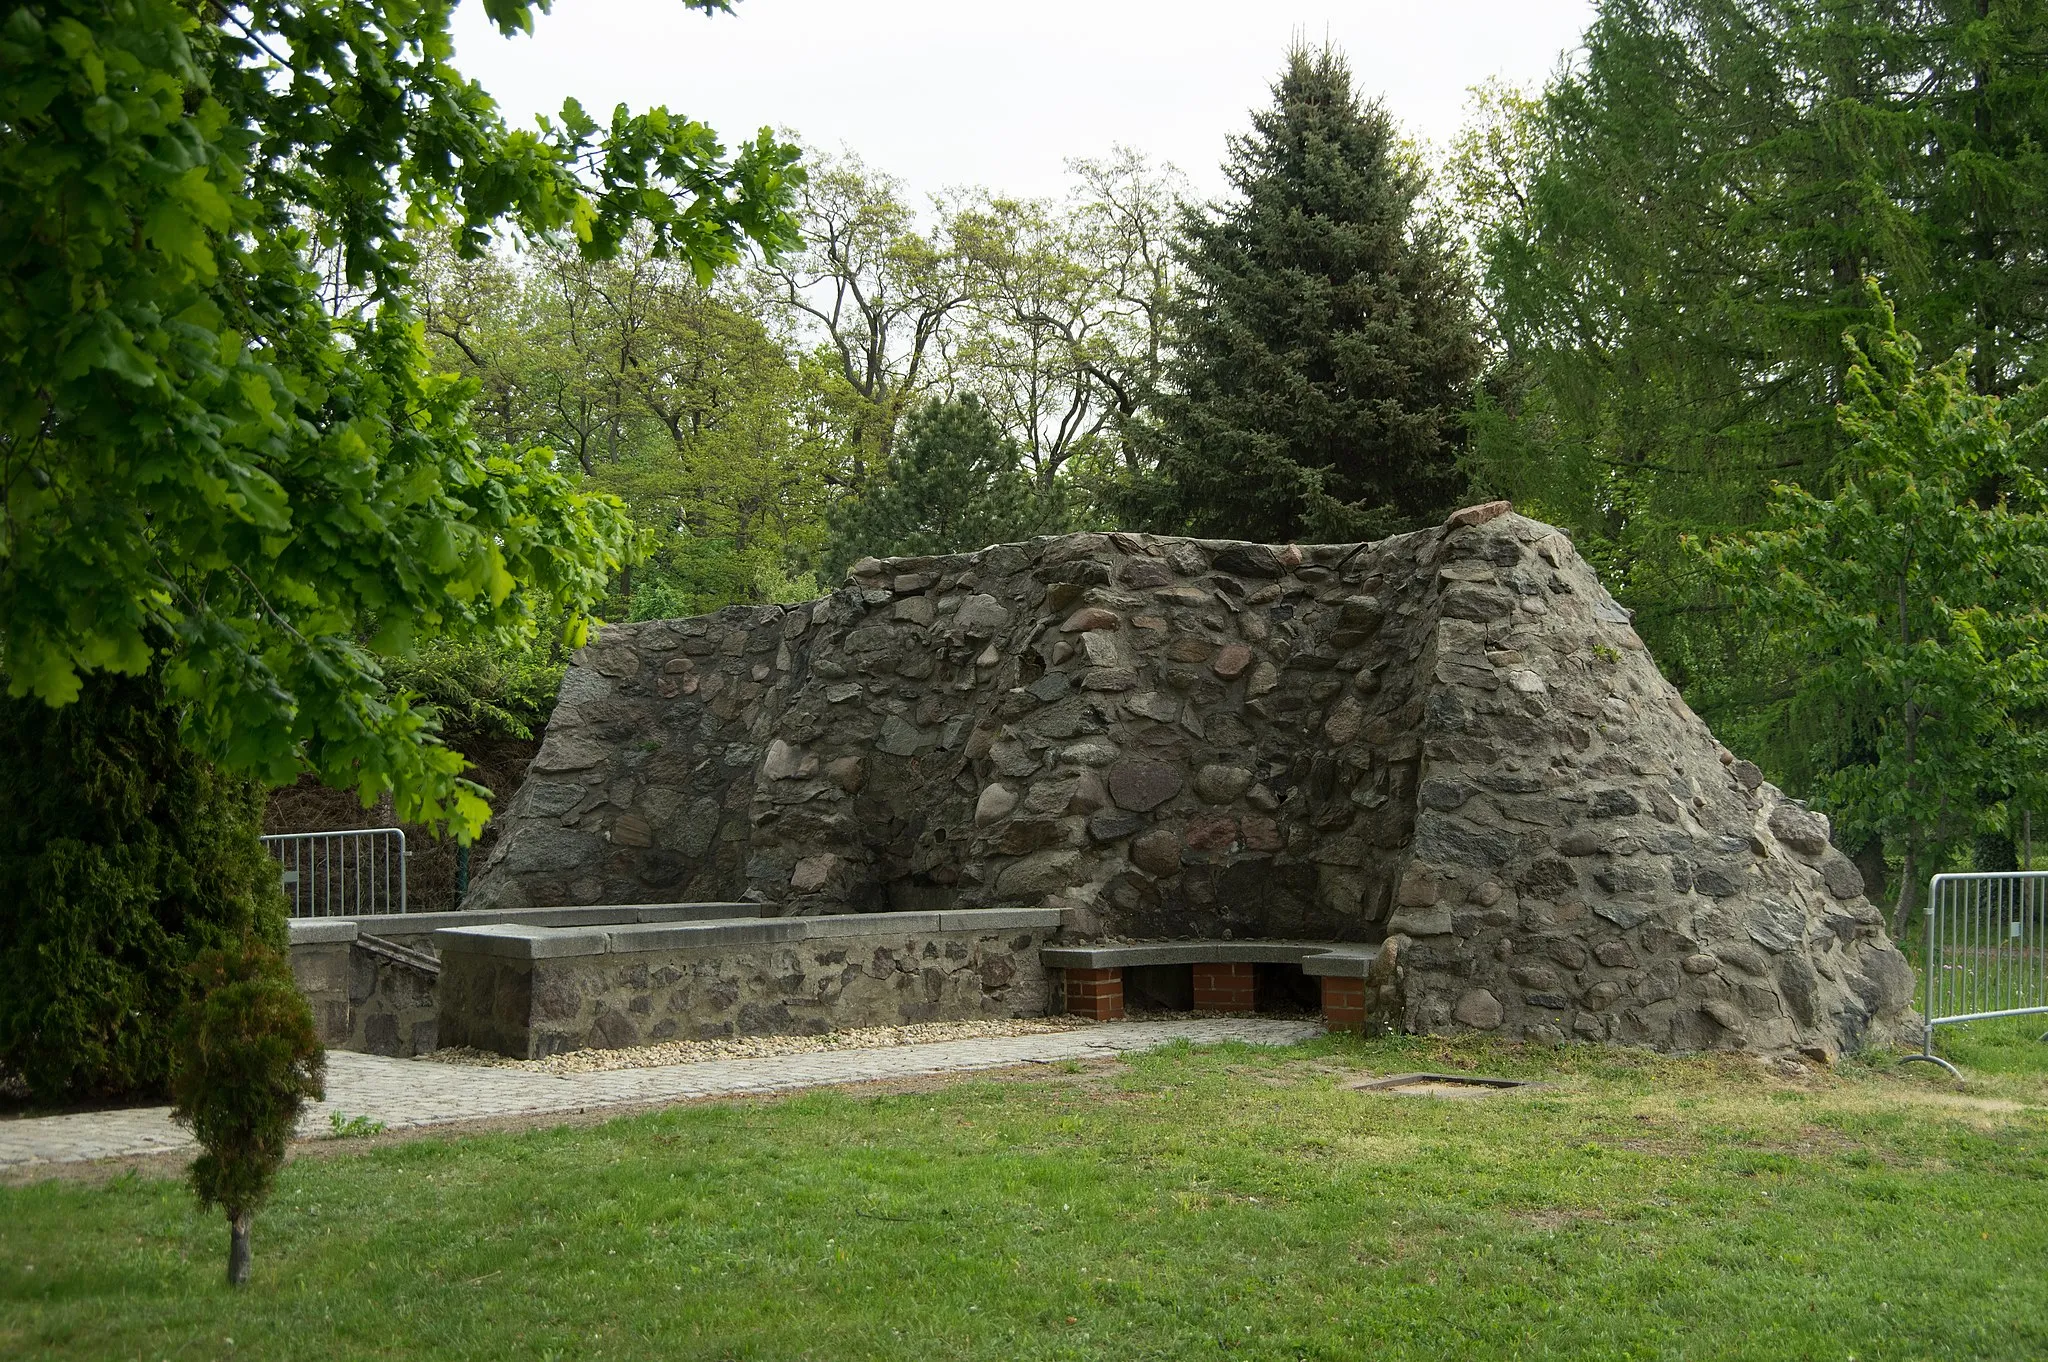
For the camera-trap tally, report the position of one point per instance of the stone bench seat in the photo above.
(1225, 973)
(1121, 953)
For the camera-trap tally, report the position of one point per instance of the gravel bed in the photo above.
(758, 1047)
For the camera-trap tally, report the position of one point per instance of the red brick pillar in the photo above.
(1343, 1003)
(1224, 988)
(1096, 993)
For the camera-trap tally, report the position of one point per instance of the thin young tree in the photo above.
(245, 1059)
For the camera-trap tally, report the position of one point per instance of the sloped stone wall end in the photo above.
(391, 998)
(1589, 863)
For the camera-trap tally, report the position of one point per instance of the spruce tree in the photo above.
(1326, 343)
(954, 483)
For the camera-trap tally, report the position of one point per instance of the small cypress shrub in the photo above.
(123, 856)
(246, 1057)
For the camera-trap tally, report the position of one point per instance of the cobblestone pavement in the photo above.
(405, 1093)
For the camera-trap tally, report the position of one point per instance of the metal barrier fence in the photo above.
(342, 874)
(1987, 950)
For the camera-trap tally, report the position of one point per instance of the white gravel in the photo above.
(756, 1047)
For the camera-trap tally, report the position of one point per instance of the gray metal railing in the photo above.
(342, 874)
(1987, 951)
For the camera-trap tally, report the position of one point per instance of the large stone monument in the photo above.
(1450, 743)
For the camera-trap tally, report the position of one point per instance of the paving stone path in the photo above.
(409, 1093)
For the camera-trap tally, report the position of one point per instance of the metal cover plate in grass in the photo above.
(1440, 1085)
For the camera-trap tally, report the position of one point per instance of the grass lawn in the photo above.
(1230, 1202)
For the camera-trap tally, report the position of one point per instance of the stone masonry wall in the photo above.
(391, 1001)
(537, 992)
(365, 994)
(1449, 741)
(320, 967)
(1179, 737)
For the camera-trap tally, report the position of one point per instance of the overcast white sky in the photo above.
(1001, 92)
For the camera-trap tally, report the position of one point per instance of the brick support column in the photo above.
(1096, 993)
(1224, 988)
(1343, 1003)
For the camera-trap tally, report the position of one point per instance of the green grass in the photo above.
(2010, 1045)
(1190, 1204)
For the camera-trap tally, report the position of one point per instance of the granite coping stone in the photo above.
(866, 924)
(999, 919)
(520, 941)
(594, 915)
(1352, 963)
(320, 931)
(1338, 957)
(669, 936)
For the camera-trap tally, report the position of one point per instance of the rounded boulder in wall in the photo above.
(1141, 786)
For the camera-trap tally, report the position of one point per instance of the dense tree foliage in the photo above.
(674, 396)
(1325, 342)
(1064, 336)
(225, 460)
(954, 483)
(1914, 603)
(1674, 238)
(123, 856)
(1052, 313)
(741, 420)
(235, 492)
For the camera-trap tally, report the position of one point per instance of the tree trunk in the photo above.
(1871, 865)
(238, 1248)
(1908, 871)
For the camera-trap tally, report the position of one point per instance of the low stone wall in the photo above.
(319, 952)
(391, 1003)
(530, 991)
(372, 981)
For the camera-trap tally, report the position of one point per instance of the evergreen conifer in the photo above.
(1326, 342)
(954, 484)
(123, 856)
(247, 1059)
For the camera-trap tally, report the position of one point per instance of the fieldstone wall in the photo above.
(372, 980)
(1451, 742)
(367, 993)
(391, 999)
(531, 992)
